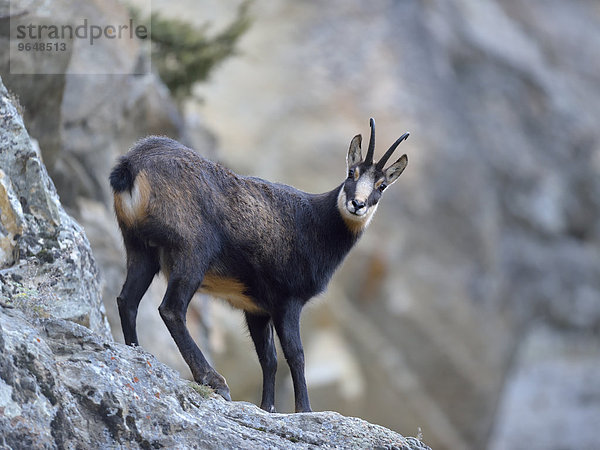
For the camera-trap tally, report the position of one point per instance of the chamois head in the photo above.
(360, 193)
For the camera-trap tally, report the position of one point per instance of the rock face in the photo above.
(46, 259)
(62, 386)
(83, 123)
(65, 385)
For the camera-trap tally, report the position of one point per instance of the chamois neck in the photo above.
(333, 223)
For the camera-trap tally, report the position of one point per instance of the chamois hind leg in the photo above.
(287, 324)
(142, 266)
(261, 330)
(184, 280)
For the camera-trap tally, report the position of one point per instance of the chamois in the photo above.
(264, 247)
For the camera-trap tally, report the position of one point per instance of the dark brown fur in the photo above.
(266, 248)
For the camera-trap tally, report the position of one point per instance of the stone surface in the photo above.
(51, 270)
(62, 386)
(83, 123)
(81, 139)
(12, 222)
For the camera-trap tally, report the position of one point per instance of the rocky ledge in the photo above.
(63, 386)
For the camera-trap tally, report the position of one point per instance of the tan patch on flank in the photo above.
(228, 289)
(131, 207)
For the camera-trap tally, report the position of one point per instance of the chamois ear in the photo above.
(354, 155)
(395, 170)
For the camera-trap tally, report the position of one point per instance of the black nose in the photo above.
(357, 204)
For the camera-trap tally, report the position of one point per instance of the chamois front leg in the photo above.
(287, 324)
(180, 290)
(261, 330)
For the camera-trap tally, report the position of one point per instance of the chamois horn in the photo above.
(387, 155)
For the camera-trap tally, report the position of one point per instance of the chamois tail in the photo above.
(121, 178)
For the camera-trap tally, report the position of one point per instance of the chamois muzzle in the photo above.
(357, 207)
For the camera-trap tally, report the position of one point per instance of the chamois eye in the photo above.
(382, 187)
(351, 173)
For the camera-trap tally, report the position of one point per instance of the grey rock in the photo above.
(12, 222)
(51, 270)
(82, 124)
(120, 109)
(62, 386)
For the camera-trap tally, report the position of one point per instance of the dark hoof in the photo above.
(224, 392)
(269, 409)
(218, 383)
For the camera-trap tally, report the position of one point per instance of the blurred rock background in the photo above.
(471, 307)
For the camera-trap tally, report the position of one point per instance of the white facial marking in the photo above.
(364, 187)
(357, 222)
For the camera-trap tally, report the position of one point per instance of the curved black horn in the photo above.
(387, 155)
(371, 150)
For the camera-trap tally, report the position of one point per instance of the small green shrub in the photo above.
(184, 54)
(204, 391)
